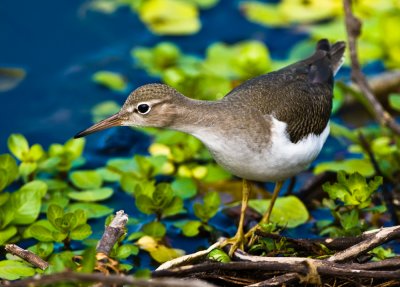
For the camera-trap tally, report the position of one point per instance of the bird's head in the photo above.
(152, 105)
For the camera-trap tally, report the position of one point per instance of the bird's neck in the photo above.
(195, 115)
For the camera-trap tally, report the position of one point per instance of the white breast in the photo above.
(280, 159)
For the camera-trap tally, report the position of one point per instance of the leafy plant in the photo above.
(61, 226)
(349, 202)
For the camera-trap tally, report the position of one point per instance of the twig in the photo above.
(188, 258)
(353, 27)
(106, 280)
(27, 255)
(378, 238)
(112, 233)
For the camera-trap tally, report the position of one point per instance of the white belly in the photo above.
(280, 160)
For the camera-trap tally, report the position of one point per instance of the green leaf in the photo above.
(394, 101)
(174, 207)
(18, 145)
(35, 186)
(74, 148)
(94, 210)
(191, 228)
(288, 211)
(216, 173)
(88, 260)
(363, 166)
(135, 235)
(349, 220)
(81, 232)
(219, 256)
(26, 168)
(61, 261)
(184, 187)
(81, 216)
(104, 110)
(12, 270)
(25, 203)
(111, 80)
(4, 197)
(8, 170)
(145, 204)
(86, 179)
(53, 212)
(154, 229)
(92, 195)
(170, 17)
(42, 249)
(108, 175)
(41, 233)
(127, 250)
(7, 234)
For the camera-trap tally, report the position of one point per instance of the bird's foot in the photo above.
(250, 236)
(236, 242)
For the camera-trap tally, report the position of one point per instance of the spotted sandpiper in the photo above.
(267, 129)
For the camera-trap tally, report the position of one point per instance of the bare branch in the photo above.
(353, 27)
(378, 238)
(112, 233)
(106, 280)
(27, 255)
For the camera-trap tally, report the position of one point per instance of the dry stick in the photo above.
(353, 27)
(380, 237)
(105, 280)
(112, 233)
(27, 255)
(188, 258)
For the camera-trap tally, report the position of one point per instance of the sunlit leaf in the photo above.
(363, 166)
(93, 210)
(92, 195)
(86, 179)
(288, 211)
(111, 80)
(170, 17)
(11, 270)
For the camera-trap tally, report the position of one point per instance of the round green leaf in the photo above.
(10, 168)
(111, 80)
(363, 166)
(218, 255)
(81, 232)
(94, 210)
(18, 145)
(154, 229)
(184, 187)
(191, 228)
(12, 270)
(91, 195)
(7, 234)
(86, 179)
(288, 211)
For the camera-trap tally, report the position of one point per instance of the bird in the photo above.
(267, 129)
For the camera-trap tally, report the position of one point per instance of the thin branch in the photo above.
(353, 27)
(27, 255)
(382, 236)
(105, 280)
(188, 258)
(112, 233)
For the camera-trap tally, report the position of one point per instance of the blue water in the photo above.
(61, 46)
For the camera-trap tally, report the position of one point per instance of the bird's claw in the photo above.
(236, 242)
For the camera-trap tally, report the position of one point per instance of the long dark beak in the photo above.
(113, 121)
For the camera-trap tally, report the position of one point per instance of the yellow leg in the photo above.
(267, 215)
(238, 240)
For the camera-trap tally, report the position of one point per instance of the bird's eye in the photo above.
(143, 109)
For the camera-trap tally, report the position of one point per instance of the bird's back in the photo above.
(299, 95)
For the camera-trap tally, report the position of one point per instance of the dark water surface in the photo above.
(61, 46)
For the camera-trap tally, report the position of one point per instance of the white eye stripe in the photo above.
(143, 108)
